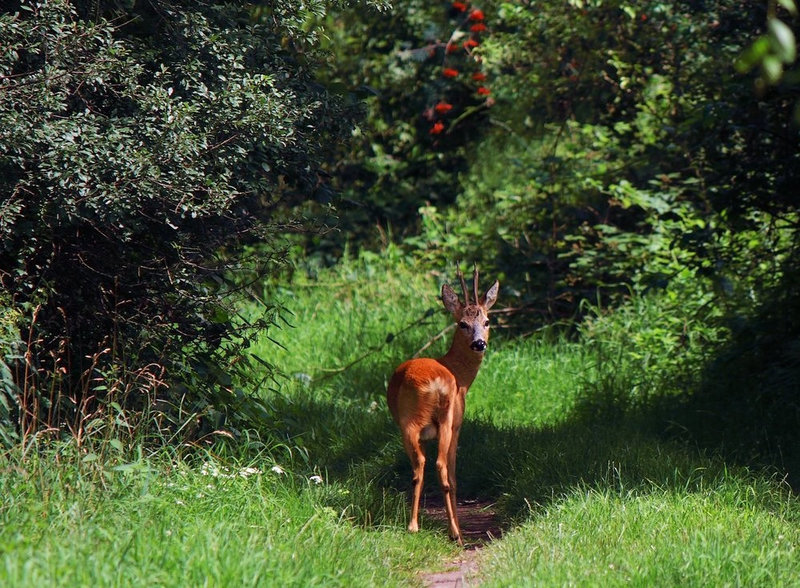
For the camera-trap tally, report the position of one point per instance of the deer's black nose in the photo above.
(479, 345)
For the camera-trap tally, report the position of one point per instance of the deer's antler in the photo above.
(475, 283)
(463, 284)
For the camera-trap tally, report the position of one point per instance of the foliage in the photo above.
(9, 347)
(773, 51)
(752, 386)
(142, 146)
(418, 72)
(643, 181)
(623, 151)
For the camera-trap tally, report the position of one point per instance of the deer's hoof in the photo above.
(457, 538)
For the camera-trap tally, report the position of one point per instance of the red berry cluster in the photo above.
(472, 20)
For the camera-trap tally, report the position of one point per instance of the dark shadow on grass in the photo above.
(745, 412)
(747, 406)
(519, 469)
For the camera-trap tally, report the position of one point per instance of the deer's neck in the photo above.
(463, 362)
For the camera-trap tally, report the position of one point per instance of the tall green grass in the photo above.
(158, 521)
(568, 436)
(732, 532)
(531, 382)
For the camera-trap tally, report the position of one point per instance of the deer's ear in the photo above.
(491, 296)
(450, 300)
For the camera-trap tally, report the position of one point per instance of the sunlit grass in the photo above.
(592, 493)
(530, 382)
(736, 532)
(163, 523)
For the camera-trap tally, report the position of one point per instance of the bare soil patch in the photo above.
(479, 525)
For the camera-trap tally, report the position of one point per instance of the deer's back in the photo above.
(418, 390)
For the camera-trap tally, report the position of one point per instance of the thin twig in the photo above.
(435, 338)
(328, 372)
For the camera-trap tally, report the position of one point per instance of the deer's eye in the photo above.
(463, 325)
(486, 324)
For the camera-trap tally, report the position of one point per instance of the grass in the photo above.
(160, 522)
(593, 491)
(733, 532)
(531, 382)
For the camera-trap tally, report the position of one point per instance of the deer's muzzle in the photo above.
(478, 345)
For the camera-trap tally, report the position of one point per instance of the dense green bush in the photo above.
(141, 146)
(417, 72)
(644, 158)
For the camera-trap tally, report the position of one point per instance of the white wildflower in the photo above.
(215, 471)
(247, 472)
(316, 479)
(278, 470)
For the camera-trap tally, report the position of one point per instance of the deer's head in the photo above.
(472, 318)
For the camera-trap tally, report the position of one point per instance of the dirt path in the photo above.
(479, 525)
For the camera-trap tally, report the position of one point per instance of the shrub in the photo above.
(142, 146)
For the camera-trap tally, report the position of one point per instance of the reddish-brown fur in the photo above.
(426, 396)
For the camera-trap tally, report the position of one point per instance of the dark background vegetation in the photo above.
(159, 157)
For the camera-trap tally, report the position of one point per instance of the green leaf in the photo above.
(789, 5)
(753, 55)
(772, 69)
(782, 40)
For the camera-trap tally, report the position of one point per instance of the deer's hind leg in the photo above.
(451, 472)
(445, 461)
(416, 454)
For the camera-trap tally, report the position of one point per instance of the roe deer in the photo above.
(426, 396)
